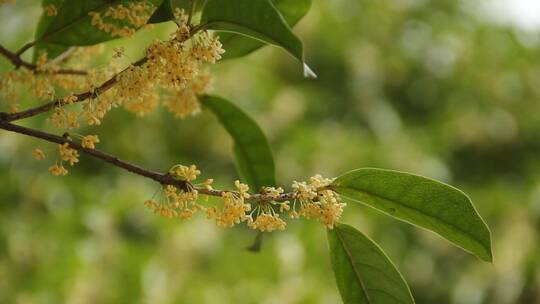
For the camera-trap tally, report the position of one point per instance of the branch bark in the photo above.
(58, 102)
(162, 178)
(18, 62)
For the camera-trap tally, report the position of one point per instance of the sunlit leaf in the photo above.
(364, 273)
(239, 45)
(420, 201)
(258, 19)
(71, 26)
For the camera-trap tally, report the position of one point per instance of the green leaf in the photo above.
(72, 25)
(364, 273)
(238, 45)
(258, 19)
(163, 13)
(420, 201)
(252, 152)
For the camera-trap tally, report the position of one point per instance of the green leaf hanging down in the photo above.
(71, 26)
(258, 19)
(238, 45)
(420, 201)
(364, 274)
(252, 152)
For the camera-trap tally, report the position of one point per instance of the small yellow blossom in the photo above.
(38, 154)
(118, 52)
(50, 10)
(134, 15)
(57, 170)
(272, 191)
(187, 173)
(69, 99)
(208, 183)
(89, 141)
(234, 210)
(151, 204)
(68, 154)
(267, 223)
(242, 189)
(207, 48)
(170, 191)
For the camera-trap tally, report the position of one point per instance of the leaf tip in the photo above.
(308, 72)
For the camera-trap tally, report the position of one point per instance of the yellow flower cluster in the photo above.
(207, 48)
(314, 199)
(184, 102)
(50, 10)
(123, 21)
(67, 154)
(8, 89)
(58, 170)
(172, 66)
(62, 119)
(90, 141)
(178, 203)
(186, 173)
(175, 66)
(43, 83)
(267, 222)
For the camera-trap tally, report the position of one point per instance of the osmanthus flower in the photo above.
(135, 14)
(68, 154)
(174, 65)
(58, 170)
(118, 52)
(234, 210)
(266, 222)
(38, 154)
(313, 200)
(90, 141)
(186, 173)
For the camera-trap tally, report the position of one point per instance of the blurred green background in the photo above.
(434, 87)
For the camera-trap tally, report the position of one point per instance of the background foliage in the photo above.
(428, 87)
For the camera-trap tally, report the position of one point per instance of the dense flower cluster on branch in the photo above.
(172, 74)
(313, 200)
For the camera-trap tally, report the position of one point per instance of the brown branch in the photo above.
(58, 102)
(18, 62)
(25, 47)
(162, 178)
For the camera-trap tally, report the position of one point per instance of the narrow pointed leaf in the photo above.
(258, 19)
(420, 201)
(364, 273)
(251, 149)
(71, 26)
(239, 45)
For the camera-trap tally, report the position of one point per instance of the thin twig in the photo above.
(18, 62)
(58, 102)
(24, 48)
(162, 178)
